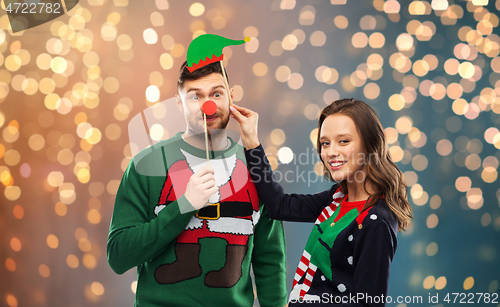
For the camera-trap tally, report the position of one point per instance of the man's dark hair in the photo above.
(185, 75)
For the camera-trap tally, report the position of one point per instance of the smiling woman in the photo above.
(353, 241)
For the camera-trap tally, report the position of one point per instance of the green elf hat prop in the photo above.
(207, 48)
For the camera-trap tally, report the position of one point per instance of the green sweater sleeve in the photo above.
(134, 238)
(269, 261)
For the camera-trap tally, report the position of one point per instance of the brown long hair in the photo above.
(383, 174)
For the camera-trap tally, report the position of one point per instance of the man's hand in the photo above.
(200, 187)
(248, 121)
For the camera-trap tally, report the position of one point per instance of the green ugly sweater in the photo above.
(195, 258)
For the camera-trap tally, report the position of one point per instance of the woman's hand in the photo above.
(248, 121)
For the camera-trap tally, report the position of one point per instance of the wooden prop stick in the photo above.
(226, 84)
(206, 138)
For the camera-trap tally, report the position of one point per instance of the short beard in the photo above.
(219, 127)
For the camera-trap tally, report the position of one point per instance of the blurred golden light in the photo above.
(52, 241)
(44, 270)
(358, 78)
(167, 42)
(13, 62)
(177, 50)
(396, 102)
(157, 19)
(468, 283)
(429, 282)
(295, 81)
(359, 40)
(65, 157)
(404, 124)
(330, 96)
(466, 70)
(150, 36)
(166, 61)
(93, 216)
(252, 46)
(285, 155)
(60, 209)
(97, 288)
(112, 186)
(396, 153)
(15, 244)
(283, 73)
(375, 61)
(67, 193)
(439, 5)
(419, 8)
(485, 220)
(58, 64)
(376, 40)
(89, 261)
(10, 134)
(277, 136)
(113, 132)
(152, 93)
(196, 9)
(318, 38)
(307, 15)
(10, 264)
(9, 298)
(444, 147)
(419, 162)
(420, 68)
(367, 22)
(440, 283)
(218, 22)
(300, 35)
(72, 261)
(341, 22)
(371, 91)
(276, 48)
(287, 4)
(111, 85)
(432, 221)
(473, 162)
(474, 198)
(95, 136)
(289, 42)
(108, 31)
(260, 69)
(432, 249)
(435, 202)
(18, 212)
(313, 136)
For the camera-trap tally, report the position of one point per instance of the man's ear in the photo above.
(179, 103)
(231, 92)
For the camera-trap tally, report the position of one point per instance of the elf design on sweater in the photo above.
(231, 215)
(186, 257)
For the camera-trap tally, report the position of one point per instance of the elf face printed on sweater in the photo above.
(231, 215)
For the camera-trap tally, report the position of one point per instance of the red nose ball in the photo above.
(209, 107)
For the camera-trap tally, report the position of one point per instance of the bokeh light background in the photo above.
(69, 88)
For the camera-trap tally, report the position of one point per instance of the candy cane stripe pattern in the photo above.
(305, 265)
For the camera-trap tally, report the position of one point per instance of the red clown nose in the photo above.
(209, 107)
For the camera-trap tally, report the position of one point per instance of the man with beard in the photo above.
(194, 232)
